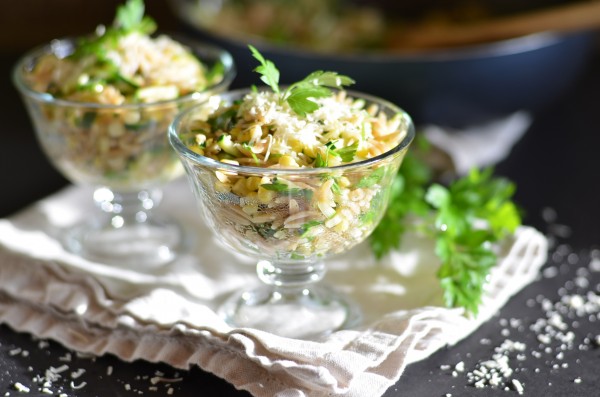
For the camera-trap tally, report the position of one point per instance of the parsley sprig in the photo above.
(300, 95)
(464, 218)
(129, 18)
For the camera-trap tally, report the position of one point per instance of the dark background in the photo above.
(555, 166)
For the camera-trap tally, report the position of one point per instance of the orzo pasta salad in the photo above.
(122, 64)
(107, 100)
(324, 180)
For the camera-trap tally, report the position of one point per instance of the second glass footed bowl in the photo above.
(290, 220)
(121, 150)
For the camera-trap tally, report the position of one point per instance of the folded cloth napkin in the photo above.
(479, 145)
(168, 314)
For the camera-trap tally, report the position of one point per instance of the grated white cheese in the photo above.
(16, 351)
(157, 379)
(21, 387)
(518, 386)
(78, 373)
(79, 386)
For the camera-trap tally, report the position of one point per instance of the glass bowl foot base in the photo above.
(137, 246)
(301, 314)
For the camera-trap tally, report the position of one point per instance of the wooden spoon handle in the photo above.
(567, 18)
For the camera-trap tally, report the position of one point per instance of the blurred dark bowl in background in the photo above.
(452, 87)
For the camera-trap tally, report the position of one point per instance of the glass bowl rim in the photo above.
(196, 158)
(220, 54)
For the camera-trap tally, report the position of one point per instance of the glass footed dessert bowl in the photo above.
(119, 147)
(288, 217)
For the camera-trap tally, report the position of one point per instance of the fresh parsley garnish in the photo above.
(372, 179)
(269, 74)
(347, 153)
(464, 218)
(276, 186)
(304, 230)
(300, 95)
(129, 18)
(280, 187)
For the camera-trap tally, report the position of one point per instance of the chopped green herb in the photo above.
(300, 95)
(374, 209)
(464, 219)
(307, 226)
(276, 186)
(347, 153)
(372, 179)
(88, 119)
(269, 73)
(265, 230)
(223, 121)
(215, 72)
(249, 149)
(320, 162)
(130, 18)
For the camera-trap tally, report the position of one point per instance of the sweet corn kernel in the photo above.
(239, 187)
(342, 226)
(287, 161)
(372, 109)
(253, 196)
(310, 151)
(197, 149)
(221, 177)
(252, 183)
(280, 234)
(331, 222)
(116, 129)
(131, 117)
(222, 187)
(265, 196)
(250, 208)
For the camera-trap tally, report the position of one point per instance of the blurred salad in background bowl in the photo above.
(101, 106)
(374, 41)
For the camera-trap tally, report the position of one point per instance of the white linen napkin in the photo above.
(168, 314)
(479, 145)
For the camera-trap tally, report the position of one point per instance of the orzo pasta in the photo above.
(307, 201)
(110, 98)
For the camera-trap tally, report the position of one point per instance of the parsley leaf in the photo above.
(407, 197)
(301, 95)
(130, 14)
(320, 161)
(276, 186)
(301, 100)
(269, 73)
(130, 17)
(323, 79)
(280, 187)
(372, 179)
(464, 219)
(347, 153)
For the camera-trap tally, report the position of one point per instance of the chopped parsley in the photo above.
(300, 95)
(464, 218)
